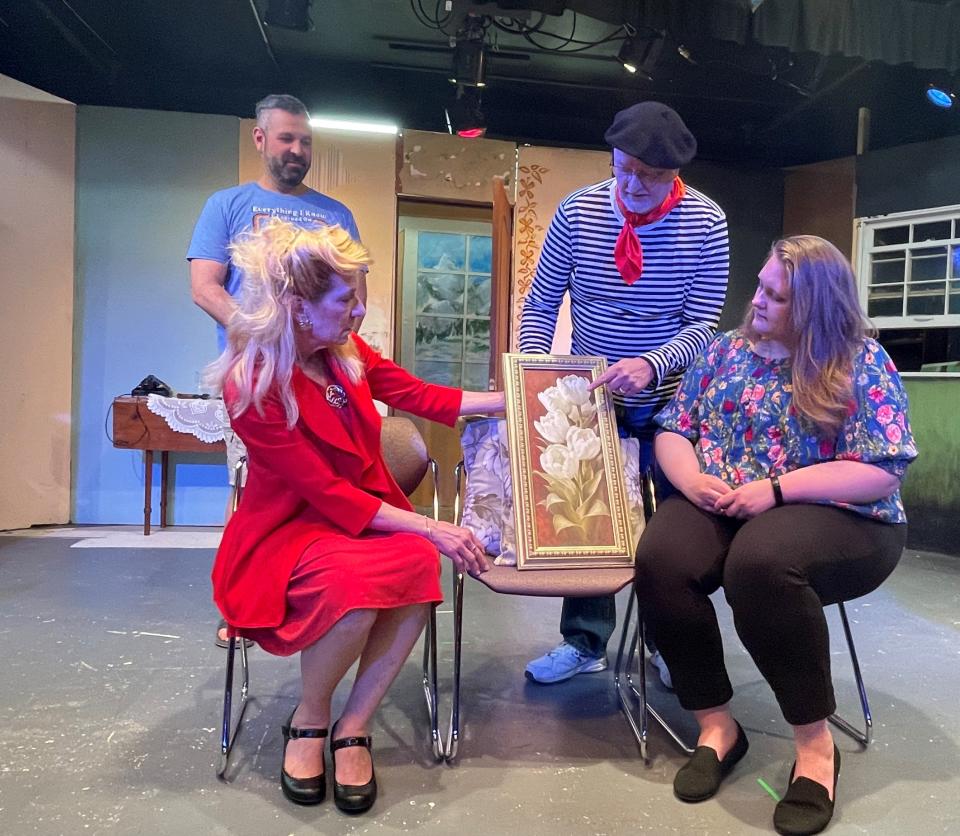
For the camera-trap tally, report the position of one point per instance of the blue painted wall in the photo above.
(142, 178)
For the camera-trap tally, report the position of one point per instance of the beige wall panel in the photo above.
(448, 167)
(545, 177)
(358, 169)
(819, 199)
(37, 152)
(10, 88)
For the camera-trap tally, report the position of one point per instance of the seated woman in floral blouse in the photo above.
(787, 440)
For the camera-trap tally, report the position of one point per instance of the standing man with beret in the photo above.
(645, 259)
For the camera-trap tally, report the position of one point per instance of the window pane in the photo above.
(936, 231)
(927, 349)
(477, 344)
(955, 260)
(888, 235)
(476, 376)
(953, 299)
(888, 303)
(888, 268)
(478, 296)
(928, 263)
(447, 374)
(926, 298)
(440, 293)
(481, 250)
(439, 338)
(441, 251)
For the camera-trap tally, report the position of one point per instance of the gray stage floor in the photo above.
(110, 697)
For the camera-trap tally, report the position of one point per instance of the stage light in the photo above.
(685, 53)
(628, 57)
(640, 55)
(464, 115)
(469, 63)
(352, 125)
(940, 96)
(288, 14)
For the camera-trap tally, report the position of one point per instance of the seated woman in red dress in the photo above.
(787, 441)
(325, 556)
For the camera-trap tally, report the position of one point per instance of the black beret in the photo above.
(654, 134)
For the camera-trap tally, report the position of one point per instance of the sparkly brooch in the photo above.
(336, 396)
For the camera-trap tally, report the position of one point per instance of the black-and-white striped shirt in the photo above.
(668, 316)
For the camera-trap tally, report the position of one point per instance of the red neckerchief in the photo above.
(628, 253)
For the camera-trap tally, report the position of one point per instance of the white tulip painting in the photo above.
(570, 462)
(570, 494)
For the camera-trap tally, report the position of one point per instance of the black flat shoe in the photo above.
(806, 808)
(353, 798)
(302, 790)
(699, 778)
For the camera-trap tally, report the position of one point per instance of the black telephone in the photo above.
(152, 385)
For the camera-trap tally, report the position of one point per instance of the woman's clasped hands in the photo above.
(714, 495)
(746, 501)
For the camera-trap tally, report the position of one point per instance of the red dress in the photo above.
(297, 555)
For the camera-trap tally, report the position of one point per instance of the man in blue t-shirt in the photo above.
(283, 138)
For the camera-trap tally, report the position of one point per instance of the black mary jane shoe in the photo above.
(806, 807)
(700, 777)
(302, 790)
(353, 798)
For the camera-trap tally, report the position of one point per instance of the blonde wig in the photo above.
(281, 264)
(827, 327)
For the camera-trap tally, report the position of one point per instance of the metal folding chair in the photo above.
(633, 698)
(229, 730)
(509, 581)
(406, 455)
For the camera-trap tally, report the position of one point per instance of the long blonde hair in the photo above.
(282, 263)
(827, 327)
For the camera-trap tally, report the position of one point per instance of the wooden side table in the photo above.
(135, 427)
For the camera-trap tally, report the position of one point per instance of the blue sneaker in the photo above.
(660, 664)
(563, 662)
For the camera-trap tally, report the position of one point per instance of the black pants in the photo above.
(778, 571)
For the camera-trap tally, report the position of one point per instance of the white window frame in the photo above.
(865, 229)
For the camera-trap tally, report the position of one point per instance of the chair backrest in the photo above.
(404, 451)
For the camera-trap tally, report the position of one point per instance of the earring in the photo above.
(303, 322)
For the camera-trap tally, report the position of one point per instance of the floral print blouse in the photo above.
(735, 406)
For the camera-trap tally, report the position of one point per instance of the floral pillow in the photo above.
(488, 498)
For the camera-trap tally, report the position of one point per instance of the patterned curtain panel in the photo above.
(545, 177)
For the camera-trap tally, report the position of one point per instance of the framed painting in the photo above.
(569, 491)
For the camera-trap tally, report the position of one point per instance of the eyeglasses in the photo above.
(647, 175)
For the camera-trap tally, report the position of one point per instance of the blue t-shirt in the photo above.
(229, 212)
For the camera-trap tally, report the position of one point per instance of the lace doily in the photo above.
(204, 419)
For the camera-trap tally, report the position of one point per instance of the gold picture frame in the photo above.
(570, 497)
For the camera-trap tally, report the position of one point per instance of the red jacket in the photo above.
(311, 481)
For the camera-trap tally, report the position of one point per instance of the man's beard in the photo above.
(288, 177)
